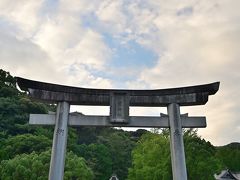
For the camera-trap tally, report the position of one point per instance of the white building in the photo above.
(114, 177)
(227, 175)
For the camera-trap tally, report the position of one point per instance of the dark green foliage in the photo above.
(97, 155)
(8, 92)
(138, 133)
(230, 156)
(109, 152)
(120, 146)
(98, 158)
(6, 79)
(15, 107)
(25, 143)
(87, 135)
(117, 146)
(201, 157)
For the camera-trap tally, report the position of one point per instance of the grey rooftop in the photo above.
(53, 93)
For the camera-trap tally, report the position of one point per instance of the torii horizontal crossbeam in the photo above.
(53, 93)
(135, 121)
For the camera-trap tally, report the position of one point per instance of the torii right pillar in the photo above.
(176, 143)
(198, 96)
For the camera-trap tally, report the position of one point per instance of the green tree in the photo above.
(6, 79)
(24, 143)
(14, 114)
(98, 157)
(114, 144)
(120, 146)
(36, 166)
(23, 167)
(201, 159)
(230, 156)
(151, 158)
(15, 108)
(76, 168)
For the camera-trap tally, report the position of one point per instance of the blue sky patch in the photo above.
(186, 11)
(127, 61)
(130, 54)
(49, 7)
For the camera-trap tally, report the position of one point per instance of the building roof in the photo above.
(227, 175)
(113, 177)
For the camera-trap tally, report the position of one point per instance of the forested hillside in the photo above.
(93, 153)
(96, 153)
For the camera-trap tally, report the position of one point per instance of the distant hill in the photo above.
(230, 155)
(233, 145)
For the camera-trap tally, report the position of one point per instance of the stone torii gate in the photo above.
(119, 101)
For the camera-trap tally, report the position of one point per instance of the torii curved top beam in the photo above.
(52, 93)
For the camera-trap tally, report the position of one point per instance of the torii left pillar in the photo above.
(57, 163)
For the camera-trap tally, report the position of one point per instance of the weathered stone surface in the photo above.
(56, 171)
(184, 96)
(134, 121)
(119, 107)
(176, 143)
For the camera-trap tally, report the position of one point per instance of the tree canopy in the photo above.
(151, 157)
(35, 166)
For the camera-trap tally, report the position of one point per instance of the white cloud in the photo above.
(201, 48)
(90, 51)
(196, 42)
(22, 13)
(112, 15)
(76, 7)
(67, 41)
(52, 44)
(17, 55)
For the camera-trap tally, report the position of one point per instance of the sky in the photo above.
(138, 44)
